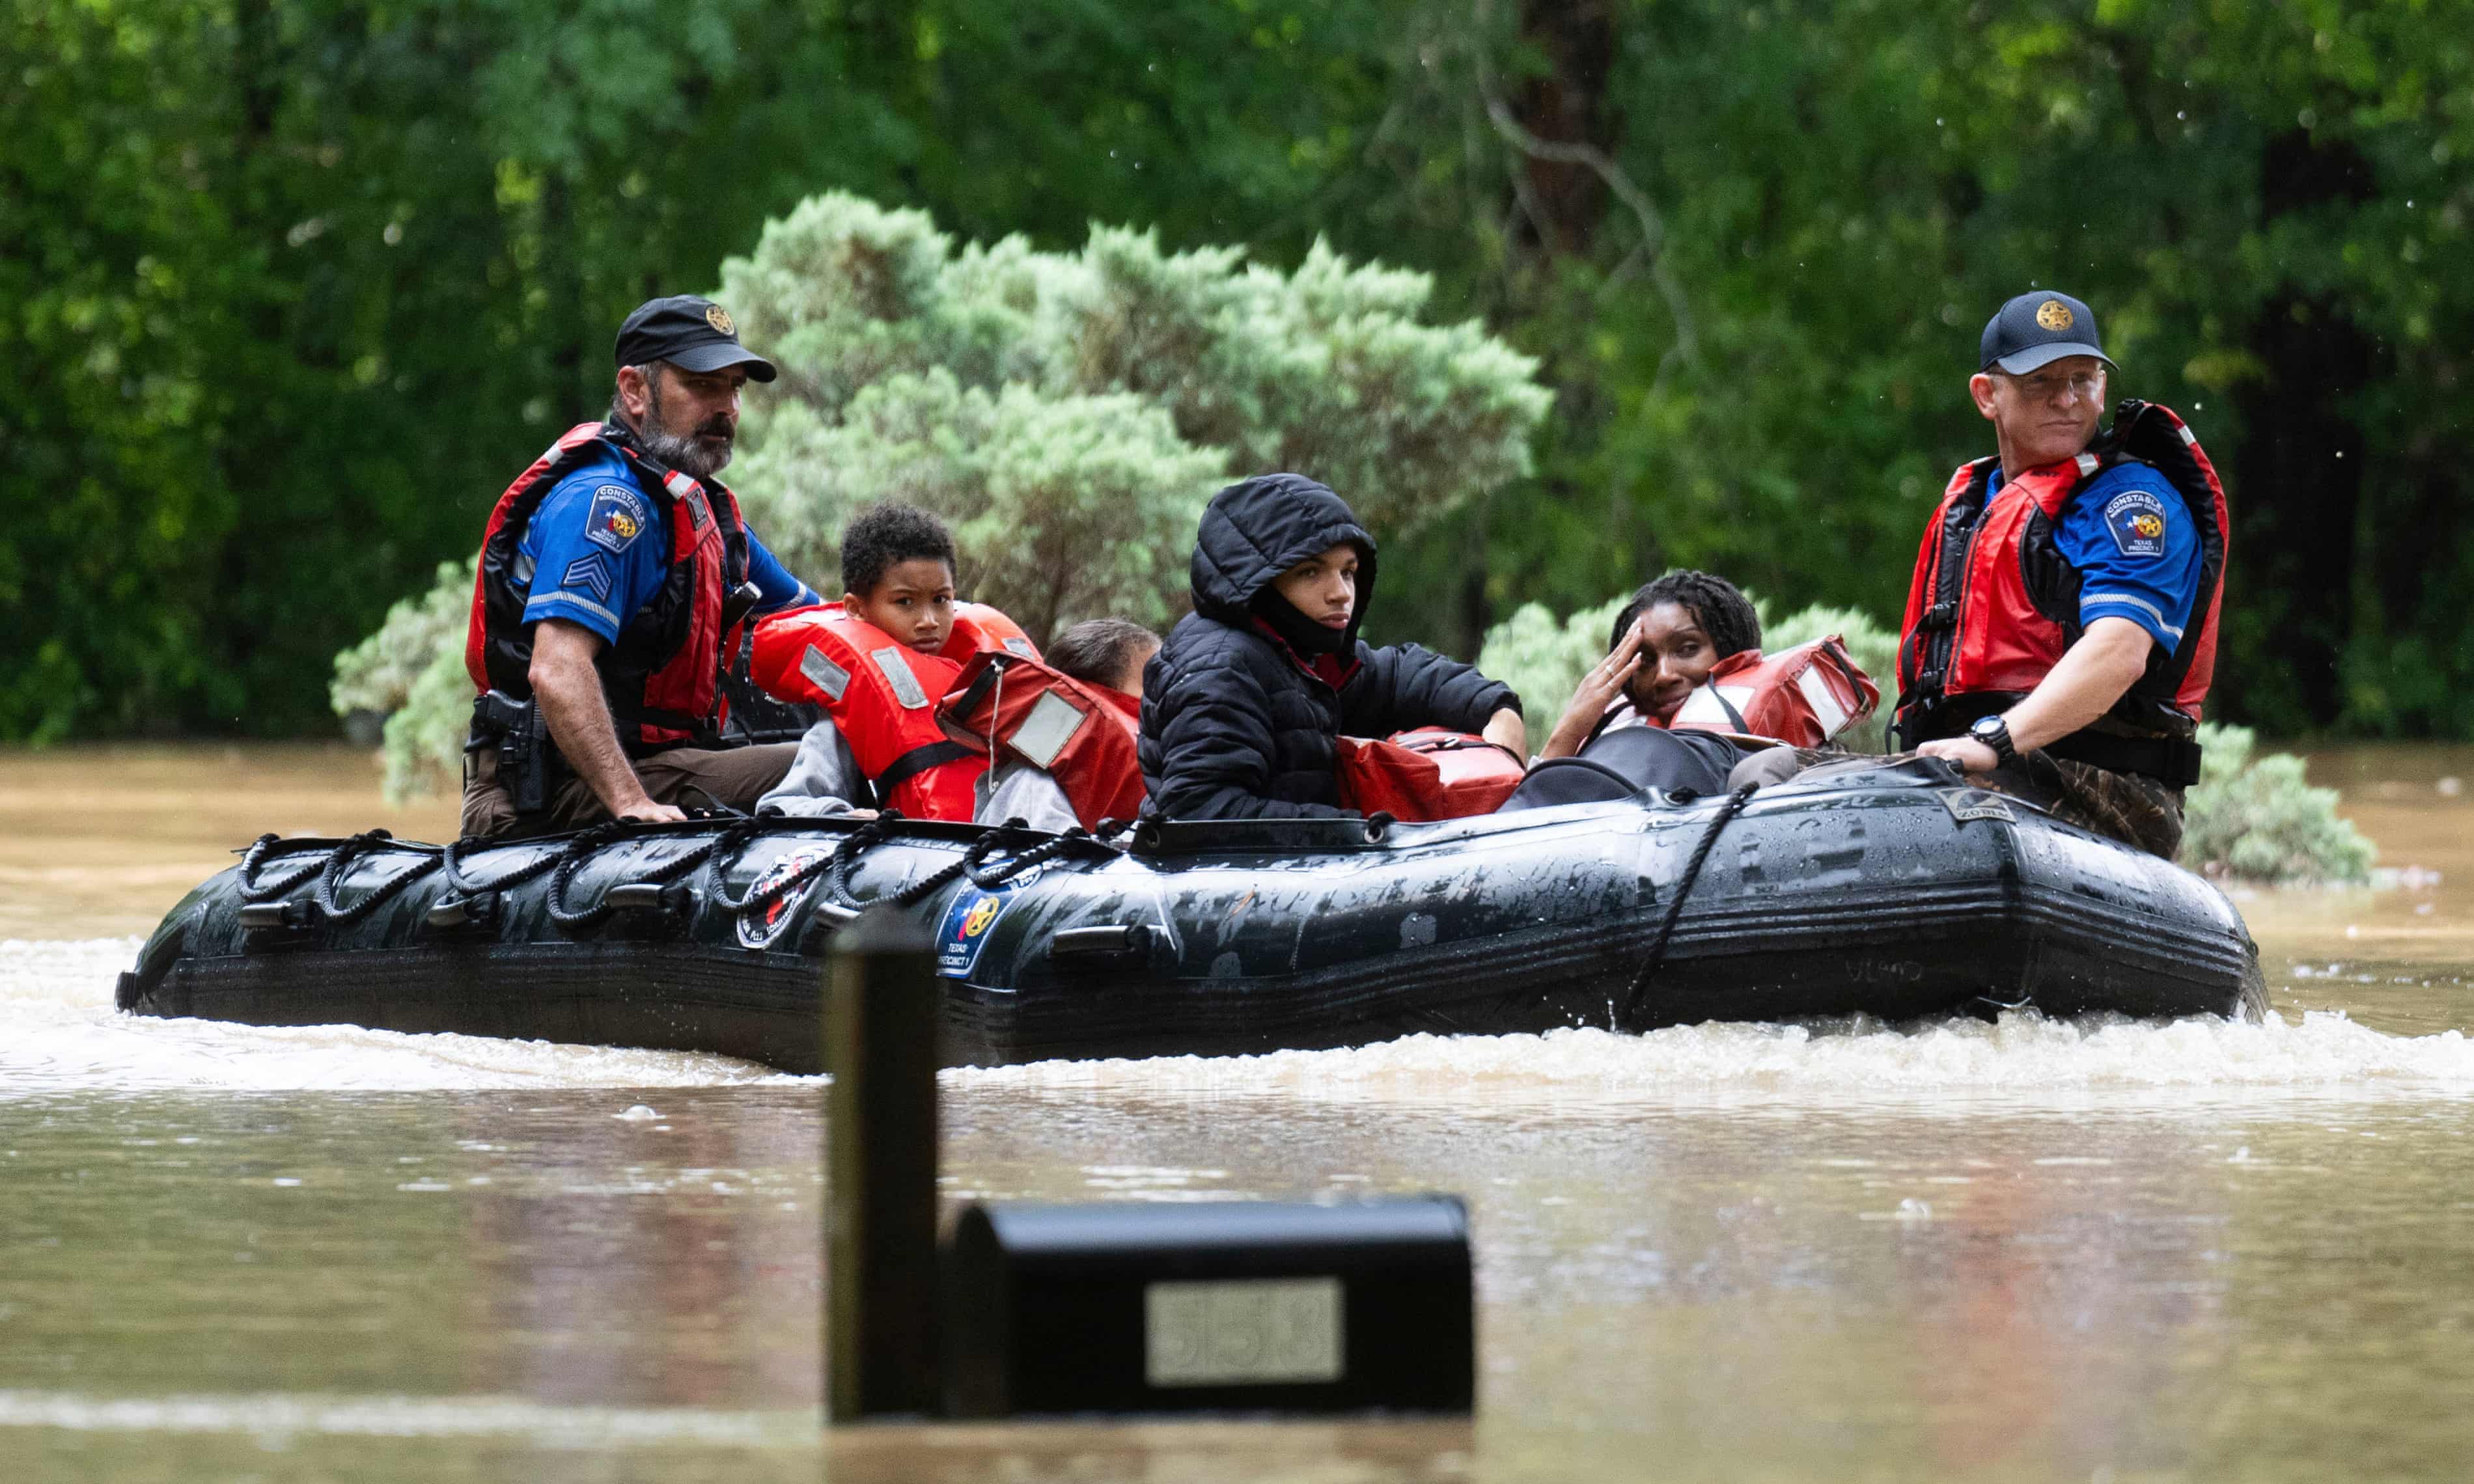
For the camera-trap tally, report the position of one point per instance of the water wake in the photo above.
(59, 1033)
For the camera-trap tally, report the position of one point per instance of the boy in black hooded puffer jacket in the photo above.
(1242, 706)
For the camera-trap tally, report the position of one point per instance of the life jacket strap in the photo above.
(918, 760)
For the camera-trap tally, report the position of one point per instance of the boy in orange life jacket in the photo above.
(1666, 642)
(898, 575)
(1102, 652)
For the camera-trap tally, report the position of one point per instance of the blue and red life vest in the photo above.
(1994, 605)
(662, 679)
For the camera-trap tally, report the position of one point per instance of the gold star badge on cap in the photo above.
(720, 317)
(2053, 314)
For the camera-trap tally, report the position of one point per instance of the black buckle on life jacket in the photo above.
(1941, 615)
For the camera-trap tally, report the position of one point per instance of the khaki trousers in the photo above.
(687, 777)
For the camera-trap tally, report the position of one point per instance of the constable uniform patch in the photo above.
(616, 519)
(592, 573)
(2137, 520)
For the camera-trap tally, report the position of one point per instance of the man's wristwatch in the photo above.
(1995, 732)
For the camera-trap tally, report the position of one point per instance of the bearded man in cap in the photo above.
(2061, 627)
(614, 575)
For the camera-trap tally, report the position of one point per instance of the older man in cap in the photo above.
(614, 577)
(2061, 628)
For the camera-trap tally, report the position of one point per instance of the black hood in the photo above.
(1258, 528)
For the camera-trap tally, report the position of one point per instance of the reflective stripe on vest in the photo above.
(1803, 696)
(1078, 734)
(881, 696)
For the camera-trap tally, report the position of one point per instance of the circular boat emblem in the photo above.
(2053, 315)
(758, 929)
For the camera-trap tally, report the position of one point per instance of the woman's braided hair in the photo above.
(1722, 610)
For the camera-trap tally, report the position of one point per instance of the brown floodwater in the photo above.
(2017, 1251)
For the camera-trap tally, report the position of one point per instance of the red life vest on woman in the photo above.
(1993, 605)
(1081, 736)
(882, 695)
(1803, 696)
(662, 679)
(1426, 775)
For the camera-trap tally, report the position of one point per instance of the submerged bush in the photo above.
(2256, 819)
(2249, 818)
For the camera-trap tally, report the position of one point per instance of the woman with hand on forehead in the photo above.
(1665, 641)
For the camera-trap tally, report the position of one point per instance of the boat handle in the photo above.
(1123, 941)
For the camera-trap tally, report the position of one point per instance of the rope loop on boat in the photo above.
(340, 861)
(991, 878)
(1656, 956)
(734, 843)
(254, 890)
(585, 845)
(837, 866)
(452, 857)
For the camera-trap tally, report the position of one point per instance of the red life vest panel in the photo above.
(1993, 605)
(1426, 775)
(662, 679)
(1803, 696)
(1081, 736)
(882, 695)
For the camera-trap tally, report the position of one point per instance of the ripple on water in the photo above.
(59, 1032)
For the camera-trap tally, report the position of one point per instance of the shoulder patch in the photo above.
(617, 518)
(592, 573)
(2136, 519)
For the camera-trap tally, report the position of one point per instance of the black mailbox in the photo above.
(1237, 1305)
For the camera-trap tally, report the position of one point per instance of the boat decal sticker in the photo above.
(1976, 804)
(970, 920)
(759, 930)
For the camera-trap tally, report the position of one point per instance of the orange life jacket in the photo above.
(1802, 696)
(1426, 775)
(1081, 736)
(882, 695)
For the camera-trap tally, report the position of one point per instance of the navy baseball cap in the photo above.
(2036, 329)
(691, 333)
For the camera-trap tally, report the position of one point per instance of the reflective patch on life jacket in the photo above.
(1021, 646)
(830, 678)
(1043, 733)
(897, 674)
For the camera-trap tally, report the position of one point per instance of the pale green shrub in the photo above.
(2257, 819)
(1068, 414)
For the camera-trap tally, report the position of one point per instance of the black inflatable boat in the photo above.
(1891, 891)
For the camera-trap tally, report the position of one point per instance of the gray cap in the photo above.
(2036, 329)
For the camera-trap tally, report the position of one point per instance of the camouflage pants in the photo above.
(2137, 811)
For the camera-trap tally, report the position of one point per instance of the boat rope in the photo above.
(252, 888)
(761, 899)
(462, 885)
(1048, 850)
(575, 919)
(1657, 956)
(340, 861)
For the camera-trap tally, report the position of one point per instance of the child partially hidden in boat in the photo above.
(1245, 705)
(1683, 700)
